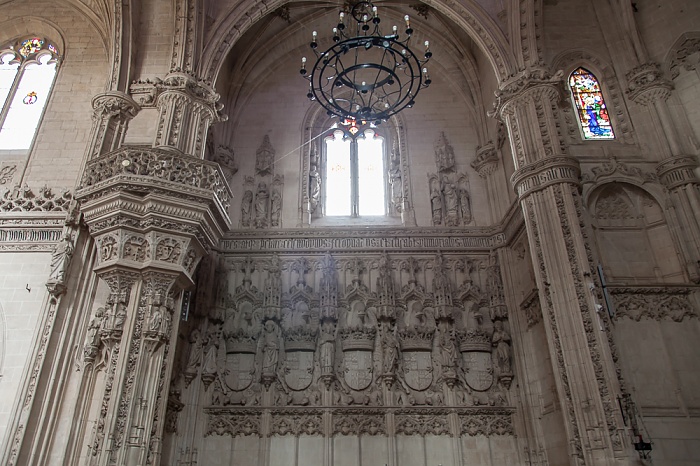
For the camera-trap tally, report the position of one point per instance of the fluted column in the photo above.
(188, 107)
(547, 182)
(648, 87)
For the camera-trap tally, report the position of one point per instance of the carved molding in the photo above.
(685, 54)
(613, 168)
(486, 422)
(546, 172)
(653, 304)
(25, 199)
(530, 85)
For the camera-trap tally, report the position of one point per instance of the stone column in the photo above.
(188, 107)
(547, 182)
(649, 88)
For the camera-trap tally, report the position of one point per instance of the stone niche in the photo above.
(349, 357)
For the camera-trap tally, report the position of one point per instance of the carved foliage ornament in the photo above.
(653, 304)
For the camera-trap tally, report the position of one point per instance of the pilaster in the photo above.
(547, 182)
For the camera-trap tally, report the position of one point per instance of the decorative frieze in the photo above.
(546, 172)
(485, 422)
(653, 304)
(678, 171)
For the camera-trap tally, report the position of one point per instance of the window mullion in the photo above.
(354, 179)
(11, 95)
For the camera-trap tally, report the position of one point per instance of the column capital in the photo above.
(486, 161)
(677, 171)
(546, 172)
(534, 83)
(646, 84)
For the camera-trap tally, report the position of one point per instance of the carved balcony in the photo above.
(147, 195)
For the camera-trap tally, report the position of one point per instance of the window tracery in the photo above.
(27, 71)
(593, 116)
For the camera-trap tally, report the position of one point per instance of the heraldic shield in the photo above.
(240, 370)
(358, 368)
(478, 371)
(418, 369)
(299, 369)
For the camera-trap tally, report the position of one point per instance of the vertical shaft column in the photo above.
(648, 87)
(547, 182)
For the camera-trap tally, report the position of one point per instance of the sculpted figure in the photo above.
(195, 357)
(448, 351)
(465, 208)
(390, 352)
(261, 198)
(60, 259)
(451, 204)
(327, 344)
(314, 187)
(120, 316)
(436, 203)
(156, 318)
(501, 341)
(246, 208)
(270, 348)
(211, 351)
(275, 208)
(92, 342)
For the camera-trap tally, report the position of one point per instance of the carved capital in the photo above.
(114, 104)
(646, 84)
(530, 85)
(486, 161)
(677, 171)
(546, 172)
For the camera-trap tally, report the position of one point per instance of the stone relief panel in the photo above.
(450, 199)
(354, 336)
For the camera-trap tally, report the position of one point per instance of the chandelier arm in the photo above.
(379, 70)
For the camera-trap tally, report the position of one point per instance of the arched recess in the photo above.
(570, 60)
(317, 123)
(472, 19)
(10, 29)
(635, 243)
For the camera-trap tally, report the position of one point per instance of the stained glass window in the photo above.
(355, 174)
(27, 71)
(592, 112)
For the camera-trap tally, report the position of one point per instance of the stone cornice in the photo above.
(546, 172)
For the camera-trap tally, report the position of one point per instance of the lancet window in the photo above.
(355, 174)
(592, 112)
(27, 71)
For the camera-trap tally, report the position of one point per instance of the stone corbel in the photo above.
(647, 85)
(486, 161)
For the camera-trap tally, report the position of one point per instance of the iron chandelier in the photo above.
(367, 76)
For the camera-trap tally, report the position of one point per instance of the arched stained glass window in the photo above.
(590, 105)
(27, 72)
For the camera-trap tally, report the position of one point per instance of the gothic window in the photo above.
(355, 183)
(27, 72)
(592, 112)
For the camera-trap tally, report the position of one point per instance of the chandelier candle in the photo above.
(367, 76)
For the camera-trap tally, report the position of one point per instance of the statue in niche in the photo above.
(270, 348)
(464, 205)
(92, 342)
(275, 208)
(416, 318)
(211, 351)
(390, 352)
(261, 200)
(246, 208)
(501, 341)
(156, 318)
(327, 345)
(314, 187)
(448, 351)
(60, 258)
(449, 191)
(444, 154)
(119, 316)
(194, 360)
(436, 202)
(395, 180)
